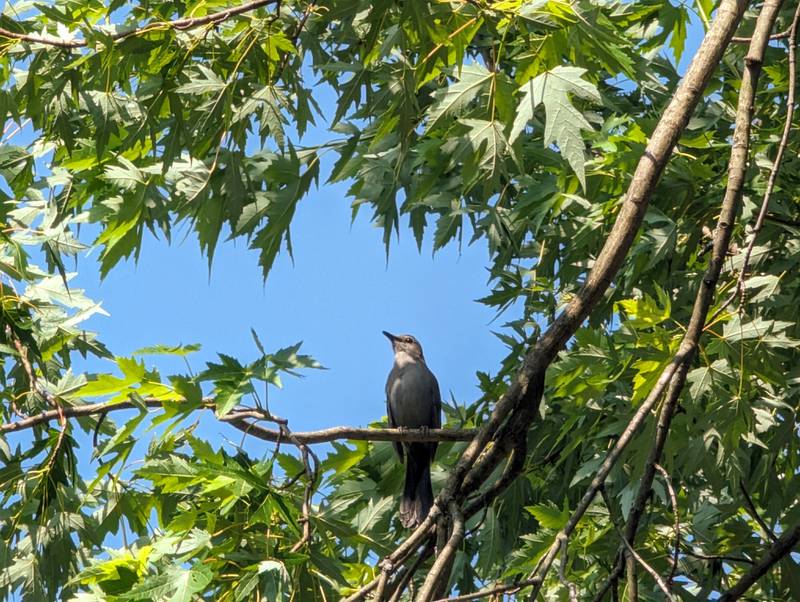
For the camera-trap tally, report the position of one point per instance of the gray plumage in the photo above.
(413, 401)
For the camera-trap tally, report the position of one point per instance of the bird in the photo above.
(413, 401)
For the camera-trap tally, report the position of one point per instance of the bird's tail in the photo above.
(418, 492)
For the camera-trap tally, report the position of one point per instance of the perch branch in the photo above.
(239, 419)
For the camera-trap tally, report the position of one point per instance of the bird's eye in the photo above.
(409, 340)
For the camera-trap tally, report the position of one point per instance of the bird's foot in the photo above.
(425, 430)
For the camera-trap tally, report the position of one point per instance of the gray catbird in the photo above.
(413, 401)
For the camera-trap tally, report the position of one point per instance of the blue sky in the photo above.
(337, 296)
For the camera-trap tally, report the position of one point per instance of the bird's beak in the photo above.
(390, 336)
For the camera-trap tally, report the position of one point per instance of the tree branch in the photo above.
(751, 508)
(673, 377)
(181, 24)
(656, 577)
(239, 419)
(737, 168)
(740, 289)
(782, 547)
(775, 36)
(408, 574)
(676, 524)
(419, 535)
(572, 589)
(778, 219)
(527, 388)
(440, 571)
(490, 591)
(776, 165)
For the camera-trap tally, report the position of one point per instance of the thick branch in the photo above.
(711, 49)
(241, 419)
(705, 295)
(182, 24)
(737, 167)
(781, 548)
(528, 387)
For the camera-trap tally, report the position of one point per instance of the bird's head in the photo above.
(405, 343)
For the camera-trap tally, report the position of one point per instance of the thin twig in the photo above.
(311, 466)
(778, 219)
(751, 508)
(33, 383)
(778, 550)
(775, 36)
(180, 24)
(653, 573)
(296, 37)
(572, 589)
(510, 588)
(720, 557)
(677, 524)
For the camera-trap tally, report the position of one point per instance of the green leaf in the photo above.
(644, 312)
(549, 516)
(203, 81)
(179, 350)
(453, 100)
(563, 122)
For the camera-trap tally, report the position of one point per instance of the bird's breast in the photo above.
(410, 393)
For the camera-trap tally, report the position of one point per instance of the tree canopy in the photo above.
(640, 211)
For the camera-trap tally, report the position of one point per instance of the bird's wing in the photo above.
(398, 446)
(436, 409)
(436, 412)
